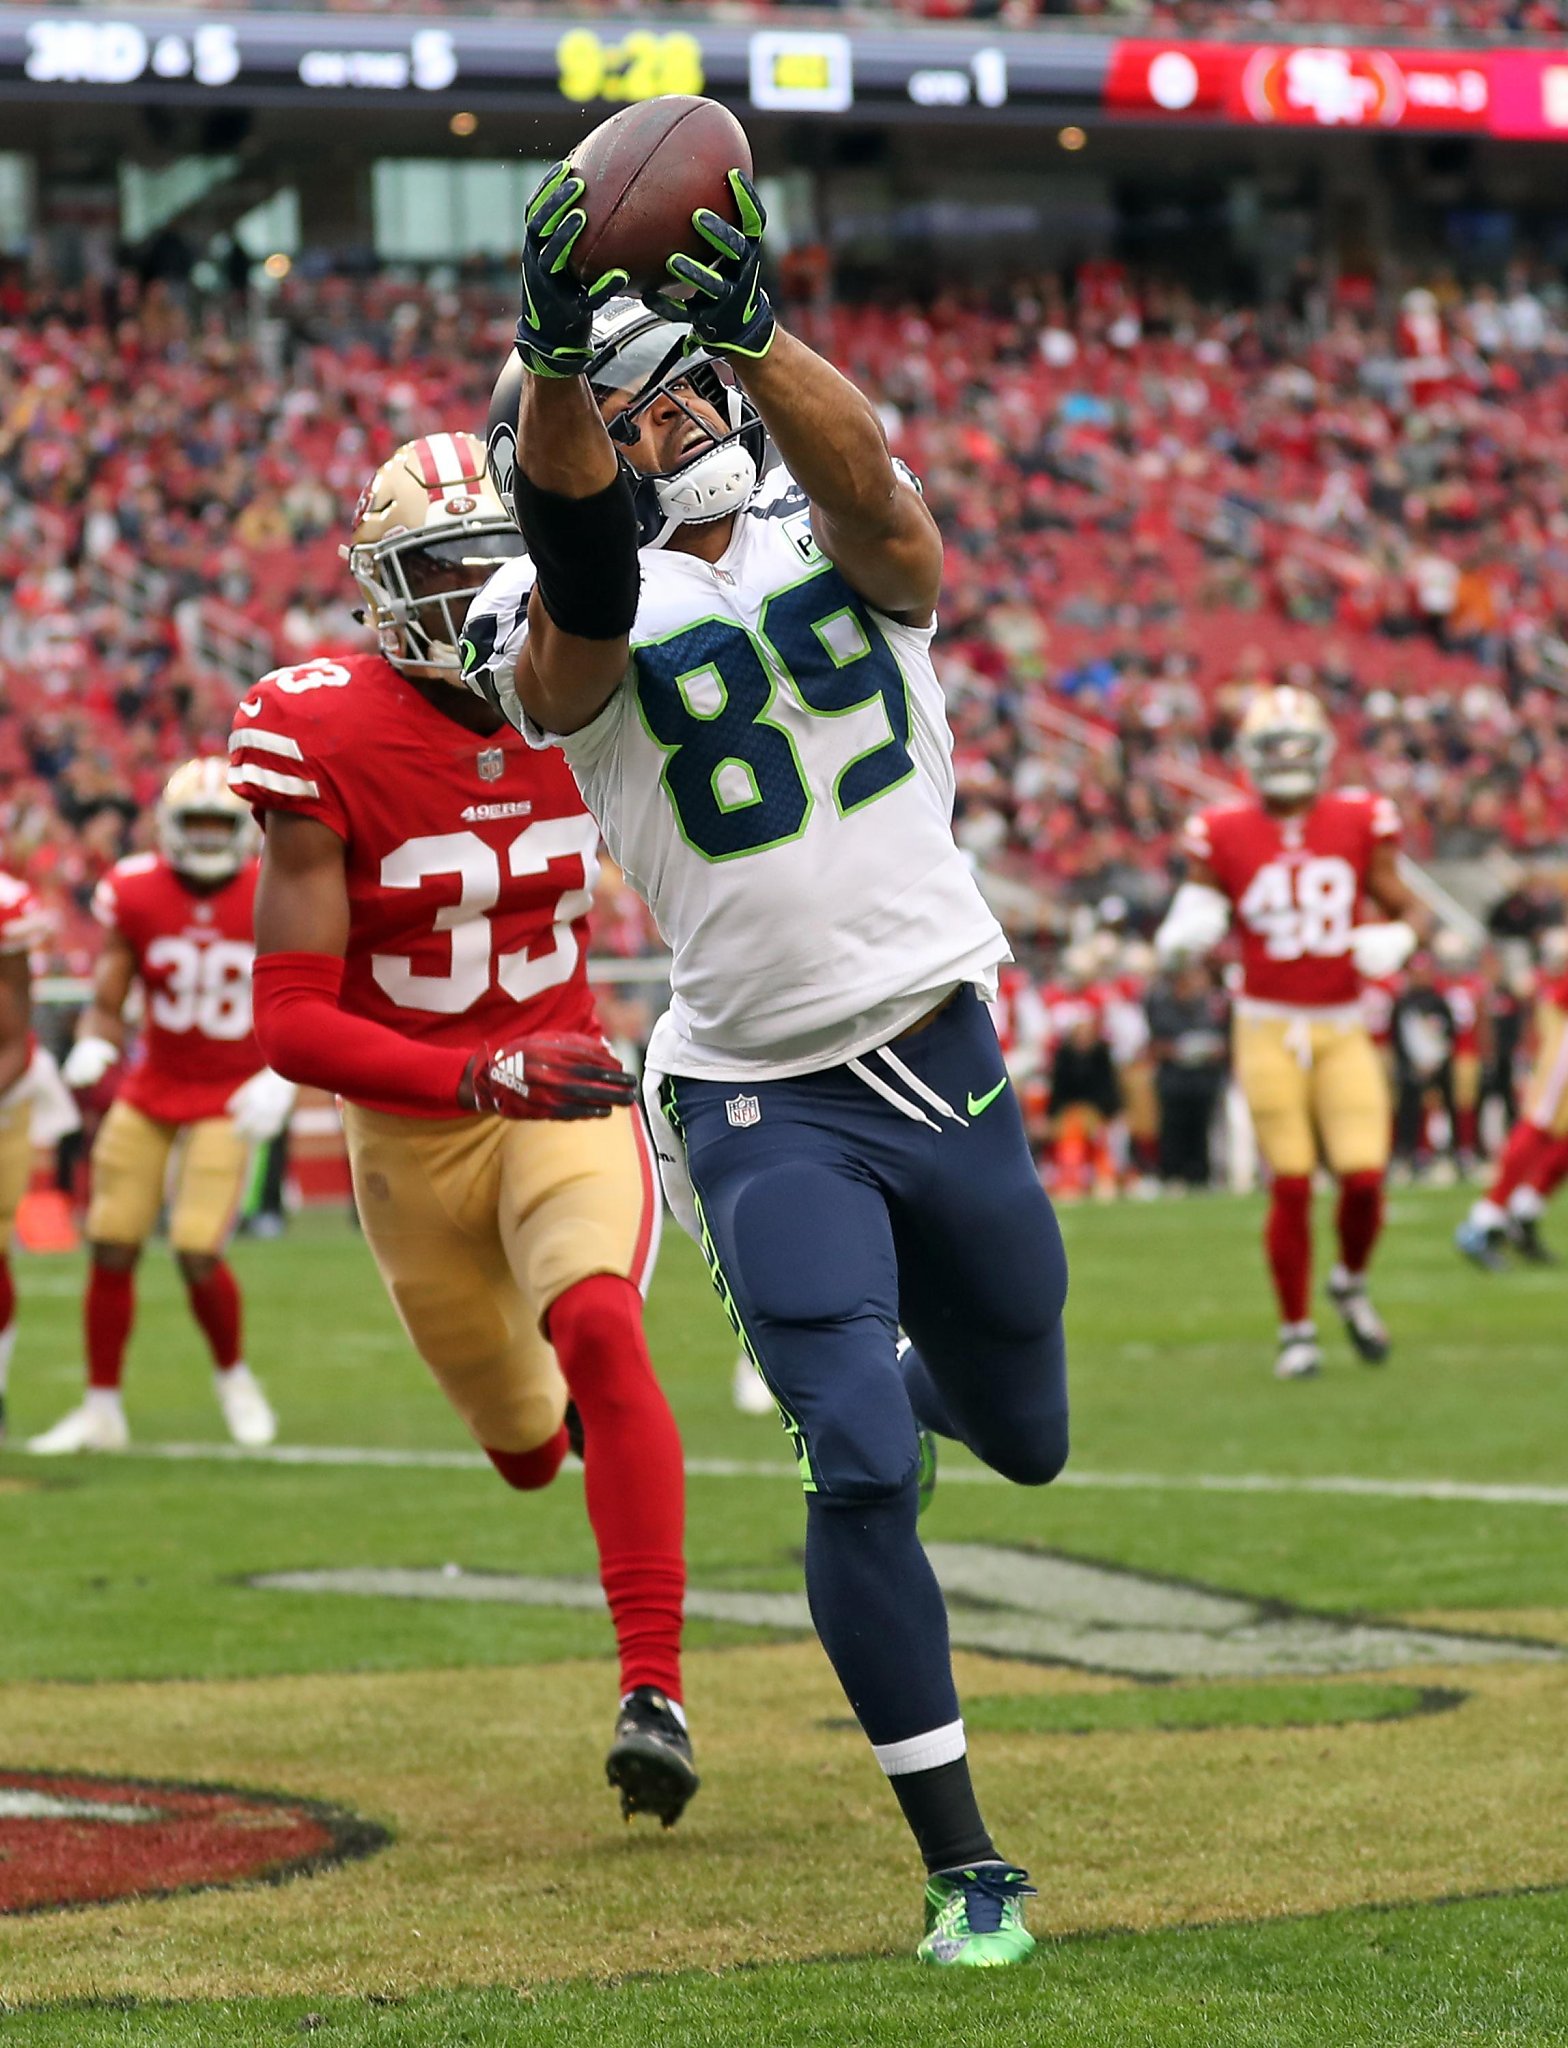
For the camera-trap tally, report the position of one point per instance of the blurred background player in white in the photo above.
(422, 923)
(1534, 1162)
(1295, 867)
(193, 1102)
(24, 923)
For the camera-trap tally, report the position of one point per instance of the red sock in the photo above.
(1526, 1155)
(1468, 1129)
(7, 1295)
(109, 1306)
(1555, 1171)
(633, 1475)
(215, 1303)
(529, 1470)
(1360, 1218)
(1287, 1237)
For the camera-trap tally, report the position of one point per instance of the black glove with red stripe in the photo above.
(565, 1075)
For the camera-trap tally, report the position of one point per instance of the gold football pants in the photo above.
(478, 1224)
(1314, 1084)
(204, 1166)
(16, 1161)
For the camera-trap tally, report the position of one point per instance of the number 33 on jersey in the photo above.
(1297, 884)
(470, 860)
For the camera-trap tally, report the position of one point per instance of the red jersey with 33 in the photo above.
(193, 949)
(470, 858)
(1296, 884)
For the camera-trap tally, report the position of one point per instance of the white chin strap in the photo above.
(712, 487)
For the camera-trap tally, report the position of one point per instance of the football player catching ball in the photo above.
(421, 919)
(735, 661)
(194, 1101)
(1295, 867)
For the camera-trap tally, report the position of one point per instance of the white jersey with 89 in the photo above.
(775, 778)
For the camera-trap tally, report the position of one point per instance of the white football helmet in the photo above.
(429, 532)
(205, 832)
(640, 356)
(1286, 743)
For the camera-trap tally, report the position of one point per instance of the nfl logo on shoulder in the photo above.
(491, 764)
(743, 1110)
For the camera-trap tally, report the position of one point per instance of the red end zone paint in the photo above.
(75, 1840)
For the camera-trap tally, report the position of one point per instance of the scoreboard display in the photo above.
(898, 72)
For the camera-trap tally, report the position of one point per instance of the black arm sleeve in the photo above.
(584, 552)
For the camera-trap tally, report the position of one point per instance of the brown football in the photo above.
(647, 170)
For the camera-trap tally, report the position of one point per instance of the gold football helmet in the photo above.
(204, 830)
(429, 531)
(1286, 743)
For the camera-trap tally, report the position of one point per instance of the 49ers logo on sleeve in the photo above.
(73, 1839)
(1302, 909)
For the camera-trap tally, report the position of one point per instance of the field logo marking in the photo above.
(1031, 1605)
(71, 1838)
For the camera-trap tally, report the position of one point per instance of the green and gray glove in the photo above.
(555, 327)
(727, 309)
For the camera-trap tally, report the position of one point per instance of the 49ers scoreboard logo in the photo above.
(73, 1839)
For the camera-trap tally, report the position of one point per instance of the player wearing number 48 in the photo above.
(420, 928)
(735, 661)
(1297, 867)
(191, 1102)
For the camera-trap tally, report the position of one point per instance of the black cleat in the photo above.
(1363, 1324)
(650, 1759)
(1525, 1242)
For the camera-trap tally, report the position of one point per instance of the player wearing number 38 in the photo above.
(191, 1102)
(1295, 867)
(420, 930)
(735, 662)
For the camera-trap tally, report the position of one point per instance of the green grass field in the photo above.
(1248, 1823)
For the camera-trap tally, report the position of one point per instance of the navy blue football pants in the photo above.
(833, 1215)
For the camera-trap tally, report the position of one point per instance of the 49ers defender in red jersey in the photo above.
(421, 925)
(1295, 868)
(195, 1098)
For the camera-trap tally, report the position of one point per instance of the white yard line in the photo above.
(1479, 1492)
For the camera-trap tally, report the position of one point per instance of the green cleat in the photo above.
(975, 1918)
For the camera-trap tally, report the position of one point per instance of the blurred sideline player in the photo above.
(24, 923)
(1534, 1163)
(1294, 868)
(426, 882)
(193, 1103)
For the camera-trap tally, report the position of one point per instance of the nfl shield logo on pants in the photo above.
(492, 763)
(743, 1110)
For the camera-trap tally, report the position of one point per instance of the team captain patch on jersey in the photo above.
(468, 898)
(1296, 883)
(779, 747)
(193, 952)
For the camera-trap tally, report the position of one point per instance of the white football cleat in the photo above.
(1363, 1324)
(246, 1409)
(749, 1390)
(98, 1425)
(1299, 1356)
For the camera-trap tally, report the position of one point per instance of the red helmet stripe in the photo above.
(429, 468)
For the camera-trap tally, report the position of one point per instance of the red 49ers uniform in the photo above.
(470, 863)
(24, 923)
(193, 950)
(1304, 1056)
(1545, 1102)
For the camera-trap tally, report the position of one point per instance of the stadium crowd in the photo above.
(1151, 507)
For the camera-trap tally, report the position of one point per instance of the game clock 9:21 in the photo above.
(641, 66)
